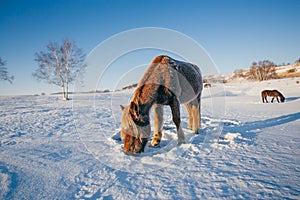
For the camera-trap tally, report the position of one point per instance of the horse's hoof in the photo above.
(132, 154)
(154, 143)
(181, 142)
(199, 131)
(156, 146)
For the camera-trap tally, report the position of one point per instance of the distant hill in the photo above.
(283, 71)
(130, 86)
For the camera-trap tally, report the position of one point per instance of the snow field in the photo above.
(54, 149)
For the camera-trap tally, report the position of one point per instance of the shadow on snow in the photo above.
(250, 130)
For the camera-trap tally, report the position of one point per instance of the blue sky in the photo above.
(234, 32)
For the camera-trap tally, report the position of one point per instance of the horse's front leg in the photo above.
(158, 123)
(175, 108)
(273, 100)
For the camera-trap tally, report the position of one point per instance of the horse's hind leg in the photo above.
(199, 111)
(266, 99)
(194, 113)
(273, 100)
(158, 123)
(190, 119)
(175, 107)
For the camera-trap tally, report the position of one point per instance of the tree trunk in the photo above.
(67, 83)
(63, 92)
(67, 92)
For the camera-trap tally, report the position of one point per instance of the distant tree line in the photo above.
(261, 71)
(61, 64)
(298, 62)
(130, 86)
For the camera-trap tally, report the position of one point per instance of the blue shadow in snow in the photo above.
(13, 176)
(291, 99)
(250, 130)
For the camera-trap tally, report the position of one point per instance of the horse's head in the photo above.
(135, 129)
(282, 98)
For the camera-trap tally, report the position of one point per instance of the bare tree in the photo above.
(60, 64)
(239, 73)
(4, 75)
(263, 70)
(297, 63)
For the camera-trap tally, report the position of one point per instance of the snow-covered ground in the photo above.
(54, 149)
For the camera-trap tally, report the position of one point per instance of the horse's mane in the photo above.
(176, 77)
(158, 66)
(127, 120)
(280, 94)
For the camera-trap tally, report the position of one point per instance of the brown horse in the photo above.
(272, 93)
(166, 82)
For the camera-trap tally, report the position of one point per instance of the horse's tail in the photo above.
(264, 95)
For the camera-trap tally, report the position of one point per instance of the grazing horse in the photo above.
(166, 82)
(272, 93)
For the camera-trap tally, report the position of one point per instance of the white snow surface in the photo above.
(55, 149)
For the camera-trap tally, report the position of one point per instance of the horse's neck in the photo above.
(144, 99)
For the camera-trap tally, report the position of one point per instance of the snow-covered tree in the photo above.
(60, 64)
(4, 75)
(263, 70)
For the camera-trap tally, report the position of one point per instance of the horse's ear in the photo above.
(122, 107)
(133, 106)
(134, 109)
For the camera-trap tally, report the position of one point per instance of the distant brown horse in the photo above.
(166, 82)
(272, 93)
